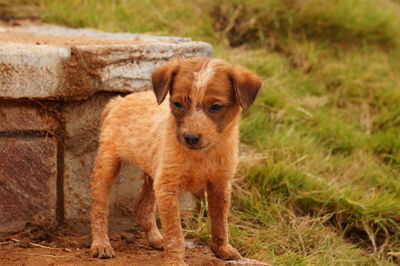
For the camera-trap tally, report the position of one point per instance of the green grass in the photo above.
(349, 21)
(18, 8)
(319, 179)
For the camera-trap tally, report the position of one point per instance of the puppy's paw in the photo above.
(155, 239)
(102, 250)
(174, 259)
(226, 252)
(175, 263)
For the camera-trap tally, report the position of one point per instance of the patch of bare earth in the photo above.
(61, 246)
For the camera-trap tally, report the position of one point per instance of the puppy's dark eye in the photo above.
(178, 105)
(215, 108)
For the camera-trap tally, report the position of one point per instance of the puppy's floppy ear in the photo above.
(163, 78)
(245, 84)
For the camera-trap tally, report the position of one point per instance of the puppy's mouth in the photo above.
(196, 146)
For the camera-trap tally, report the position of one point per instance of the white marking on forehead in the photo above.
(204, 76)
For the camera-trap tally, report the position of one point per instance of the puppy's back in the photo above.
(132, 126)
(133, 107)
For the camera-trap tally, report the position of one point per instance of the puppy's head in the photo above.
(206, 97)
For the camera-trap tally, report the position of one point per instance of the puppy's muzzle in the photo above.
(191, 139)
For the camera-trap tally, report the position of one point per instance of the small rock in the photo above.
(206, 251)
(23, 243)
(190, 244)
(245, 261)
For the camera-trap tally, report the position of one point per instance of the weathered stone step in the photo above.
(47, 61)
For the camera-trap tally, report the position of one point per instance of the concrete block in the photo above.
(27, 181)
(31, 71)
(60, 31)
(75, 63)
(122, 67)
(81, 142)
(25, 116)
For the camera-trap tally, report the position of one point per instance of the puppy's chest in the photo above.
(203, 171)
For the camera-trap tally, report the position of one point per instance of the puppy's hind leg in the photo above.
(146, 213)
(106, 168)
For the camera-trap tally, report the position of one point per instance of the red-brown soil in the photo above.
(130, 254)
(61, 246)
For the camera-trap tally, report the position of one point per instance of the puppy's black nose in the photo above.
(191, 138)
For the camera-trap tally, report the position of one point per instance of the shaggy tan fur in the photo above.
(186, 143)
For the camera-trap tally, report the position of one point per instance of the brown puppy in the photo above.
(186, 143)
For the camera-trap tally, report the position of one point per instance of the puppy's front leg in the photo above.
(106, 167)
(219, 199)
(167, 191)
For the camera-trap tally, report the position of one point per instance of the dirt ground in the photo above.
(55, 245)
(11, 254)
(61, 246)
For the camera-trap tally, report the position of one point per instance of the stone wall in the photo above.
(54, 83)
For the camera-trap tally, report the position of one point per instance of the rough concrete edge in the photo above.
(83, 72)
(88, 82)
(44, 63)
(56, 30)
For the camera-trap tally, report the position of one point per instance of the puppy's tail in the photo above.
(109, 106)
